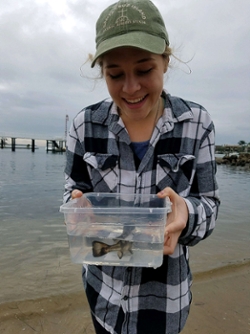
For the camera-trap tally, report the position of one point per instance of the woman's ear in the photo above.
(166, 61)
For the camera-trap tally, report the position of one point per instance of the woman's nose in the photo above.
(131, 85)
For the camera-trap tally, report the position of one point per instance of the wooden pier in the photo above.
(55, 146)
(52, 145)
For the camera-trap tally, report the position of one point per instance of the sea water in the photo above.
(140, 254)
(140, 244)
(34, 251)
(116, 229)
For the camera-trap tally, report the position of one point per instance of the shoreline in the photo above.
(241, 160)
(220, 305)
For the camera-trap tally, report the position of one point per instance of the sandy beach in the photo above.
(221, 304)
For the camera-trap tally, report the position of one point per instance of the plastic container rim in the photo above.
(69, 208)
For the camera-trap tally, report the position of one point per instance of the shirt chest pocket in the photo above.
(175, 171)
(103, 171)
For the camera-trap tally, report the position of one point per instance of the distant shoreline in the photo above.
(235, 159)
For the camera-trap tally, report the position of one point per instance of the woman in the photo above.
(143, 141)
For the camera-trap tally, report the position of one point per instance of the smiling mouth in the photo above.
(135, 100)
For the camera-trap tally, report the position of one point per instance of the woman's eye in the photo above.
(115, 76)
(145, 71)
(139, 72)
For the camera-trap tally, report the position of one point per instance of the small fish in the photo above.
(100, 248)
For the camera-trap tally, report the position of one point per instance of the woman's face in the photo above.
(134, 79)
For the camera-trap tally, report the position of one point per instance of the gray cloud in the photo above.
(42, 52)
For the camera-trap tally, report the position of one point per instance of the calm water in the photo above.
(34, 255)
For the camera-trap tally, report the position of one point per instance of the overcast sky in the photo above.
(44, 45)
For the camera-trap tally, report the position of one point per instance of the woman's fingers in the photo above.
(176, 221)
(76, 194)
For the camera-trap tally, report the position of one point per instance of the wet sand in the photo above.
(221, 304)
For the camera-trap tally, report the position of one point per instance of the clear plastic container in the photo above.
(116, 229)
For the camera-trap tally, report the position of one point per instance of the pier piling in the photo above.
(13, 144)
(33, 145)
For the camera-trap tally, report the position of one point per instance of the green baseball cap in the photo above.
(134, 23)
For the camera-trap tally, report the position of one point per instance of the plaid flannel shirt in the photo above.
(181, 156)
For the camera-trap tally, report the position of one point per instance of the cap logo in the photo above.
(123, 19)
(130, 23)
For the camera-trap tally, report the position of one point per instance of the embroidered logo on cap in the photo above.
(123, 18)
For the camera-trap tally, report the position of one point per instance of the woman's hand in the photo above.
(83, 202)
(76, 194)
(176, 220)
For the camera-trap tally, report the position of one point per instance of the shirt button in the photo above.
(125, 298)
